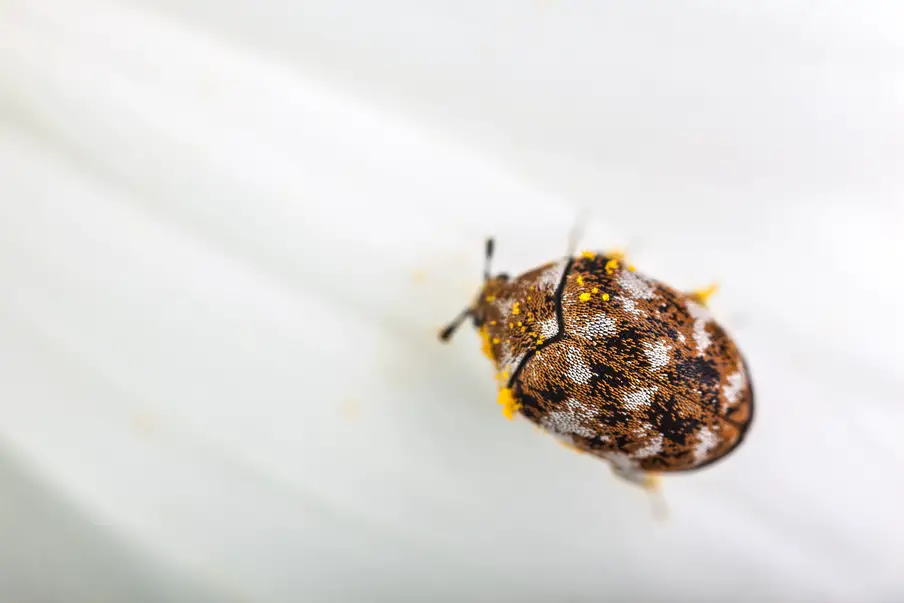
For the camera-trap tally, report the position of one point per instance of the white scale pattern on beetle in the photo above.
(701, 317)
(706, 441)
(732, 389)
(598, 326)
(635, 285)
(578, 371)
(567, 422)
(657, 353)
(631, 307)
(548, 328)
(640, 398)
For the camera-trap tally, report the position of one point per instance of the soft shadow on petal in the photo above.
(52, 552)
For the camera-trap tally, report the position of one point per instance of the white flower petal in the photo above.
(222, 279)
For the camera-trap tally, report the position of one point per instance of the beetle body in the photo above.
(615, 364)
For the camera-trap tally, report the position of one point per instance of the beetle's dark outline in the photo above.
(446, 333)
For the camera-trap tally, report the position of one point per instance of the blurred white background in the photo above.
(230, 229)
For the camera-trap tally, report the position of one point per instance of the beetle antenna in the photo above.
(450, 329)
(488, 258)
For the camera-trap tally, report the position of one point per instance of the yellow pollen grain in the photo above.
(580, 280)
(584, 297)
(511, 325)
(523, 329)
(539, 342)
(493, 322)
(529, 298)
(632, 267)
(588, 254)
(509, 405)
(496, 341)
(490, 298)
(516, 309)
(485, 346)
(594, 290)
(605, 297)
(703, 295)
(611, 265)
(520, 323)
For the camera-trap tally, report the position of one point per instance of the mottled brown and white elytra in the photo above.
(614, 363)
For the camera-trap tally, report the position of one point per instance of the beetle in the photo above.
(613, 363)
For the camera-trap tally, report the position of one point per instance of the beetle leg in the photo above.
(650, 483)
(450, 329)
(636, 476)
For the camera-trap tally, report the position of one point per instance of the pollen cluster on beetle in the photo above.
(584, 295)
(509, 405)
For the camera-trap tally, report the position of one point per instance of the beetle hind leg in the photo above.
(650, 483)
(638, 477)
